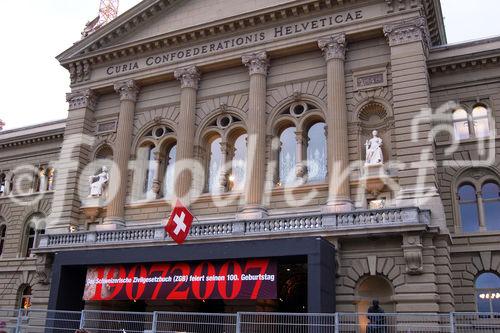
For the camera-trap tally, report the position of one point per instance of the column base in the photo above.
(338, 206)
(111, 223)
(252, 212)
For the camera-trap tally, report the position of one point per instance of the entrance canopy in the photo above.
(250, 270)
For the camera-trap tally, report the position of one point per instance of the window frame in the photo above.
(3, 233)
(477, 291)
(302, 123)
(38, 228)
(471, 120)
(477, 183)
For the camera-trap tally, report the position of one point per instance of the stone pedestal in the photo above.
(373, 178)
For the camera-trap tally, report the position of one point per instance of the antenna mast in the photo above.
(108, 10)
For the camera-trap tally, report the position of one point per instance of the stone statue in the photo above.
(42, 180)
(98, 182)
(51, 179)
(374, 150)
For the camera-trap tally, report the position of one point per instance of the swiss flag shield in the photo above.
(179, 223)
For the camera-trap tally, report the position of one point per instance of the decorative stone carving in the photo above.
(189, 77)
(99, 182)
(374, 150)
(82, 99)
(257, 63)
(412, 249)
(86, 70)
(408, 31)
(128, 90)
(72, 73)
(333, 47)
(43, 264)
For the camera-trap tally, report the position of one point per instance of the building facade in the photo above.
(345, 144)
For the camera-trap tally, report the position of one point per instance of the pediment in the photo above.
(193, 13)
(153, 18)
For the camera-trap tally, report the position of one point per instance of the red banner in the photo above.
(232, 279)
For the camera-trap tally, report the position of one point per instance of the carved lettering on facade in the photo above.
(369, 79)
(106, 127)
(268, 35)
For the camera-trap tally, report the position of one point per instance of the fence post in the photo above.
(82, 320)
(155, 321)
(238, 322)
(452, 322)
(336, 318)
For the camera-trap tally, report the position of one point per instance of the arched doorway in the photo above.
(368, 289)
(24, 297)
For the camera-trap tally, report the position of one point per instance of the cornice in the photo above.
(27, 140)
(474, 54)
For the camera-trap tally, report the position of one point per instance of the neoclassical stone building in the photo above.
(259, 115)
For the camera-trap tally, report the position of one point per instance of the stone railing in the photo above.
(291, 224)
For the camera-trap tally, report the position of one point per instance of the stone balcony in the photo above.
(356, 223)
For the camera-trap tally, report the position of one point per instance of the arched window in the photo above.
(460, 124)
(316, 153)
(3, 231)
(24, 297)
(214, 165)
(35, 227)
(480, 121)
(488, 292)
(287, 156)
(299, 145)
(471, 122)
(490, 193)
(467, 200)
(170, 170)
(225, 148)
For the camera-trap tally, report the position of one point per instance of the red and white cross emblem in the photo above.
(179, 223)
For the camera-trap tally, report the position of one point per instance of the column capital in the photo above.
(408, 31)
(82, 99)
(128, 90)
(257, 63)
(189, 77)
(333, 47)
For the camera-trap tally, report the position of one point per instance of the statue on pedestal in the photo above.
(374, 150)
(98, 182)
(42, 180)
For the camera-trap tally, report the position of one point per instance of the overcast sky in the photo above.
(33, 32)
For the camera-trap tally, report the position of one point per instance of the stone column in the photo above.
(481, 212)
(301, 156)
(115, 216)
(158, 171)
(339, 199)
(257, 64)
(189, 78)
(227, 152)
(409, 42)
(79, 137)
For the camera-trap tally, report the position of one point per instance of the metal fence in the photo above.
(96, 321)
